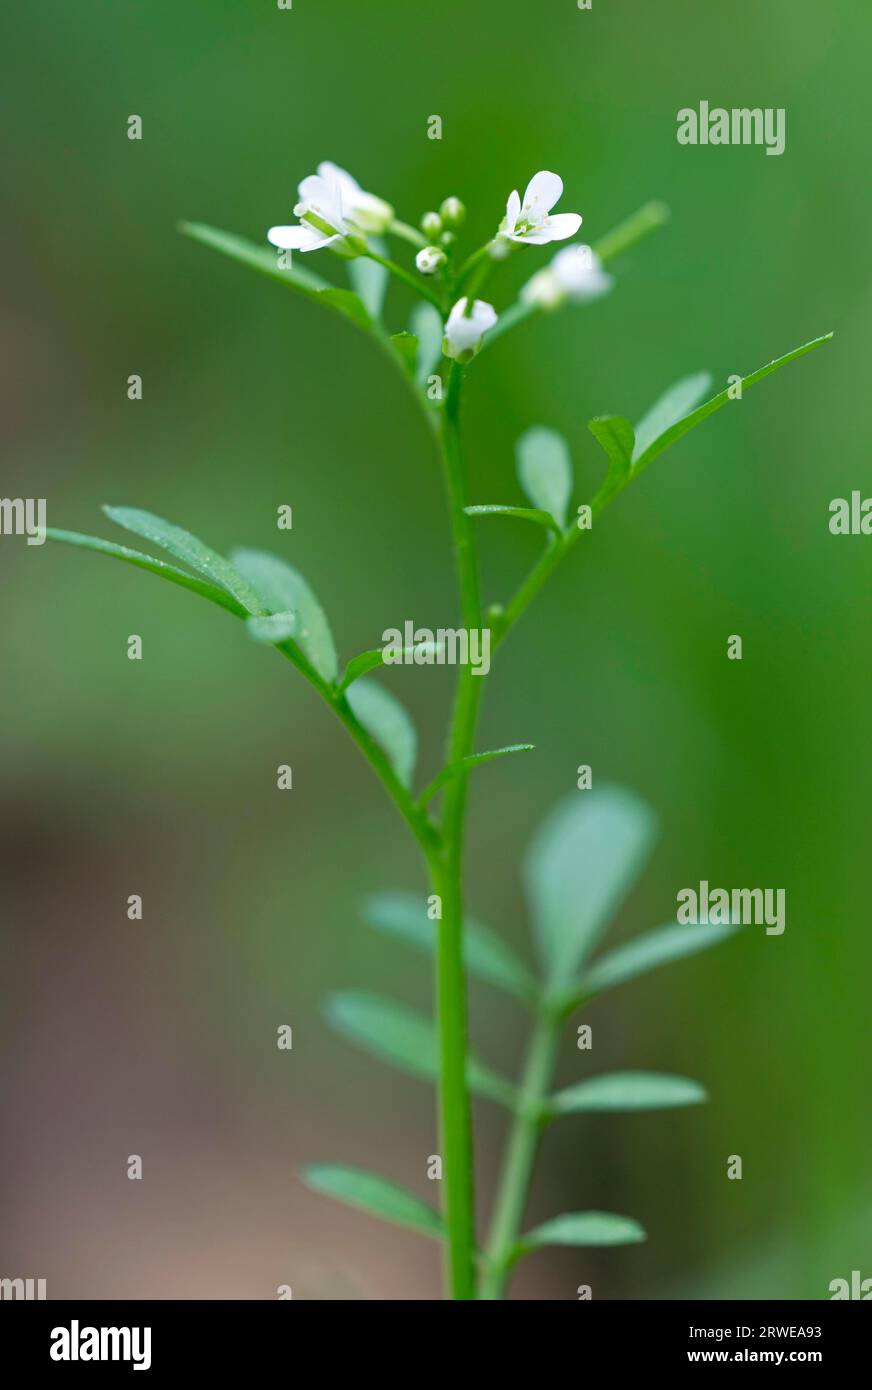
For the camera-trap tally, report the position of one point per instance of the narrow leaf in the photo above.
(681, 427)
(406, 348)
(367, 661)
(615, 435)
(358, 666)
(545, 471)
(673, 405)
(627, 1090)
(583, 1228)
(274, 628)
(520, 513)
(581, 864)
(349, 305)
(376, 1195)
(405, 1039)
(464, 764)
(387, 721)
(283, 590)
(370, 279)
(426, 323)
(647, 952)
(486, 955)
(190, 550)
(148, 562)
(264, 259)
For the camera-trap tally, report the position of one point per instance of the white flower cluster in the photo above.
(333, 210)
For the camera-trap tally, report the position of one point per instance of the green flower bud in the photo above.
(453, 212)
(431, 225)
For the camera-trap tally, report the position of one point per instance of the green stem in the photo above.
(420, 824)
(514, 1183)
(475, 269)
(416, 284)
(410, 234)
(454, 1105)
(646, 219)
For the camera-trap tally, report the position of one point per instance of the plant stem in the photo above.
(454, 1106)
(455, 1119)
(416, 818)
(406, 277)
(410, 234)
(646, 219)
(520, 1157)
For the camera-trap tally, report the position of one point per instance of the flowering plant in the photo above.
(588, 852)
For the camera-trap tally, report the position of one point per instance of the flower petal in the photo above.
(513, 208)
(563, 225)
(543, 191)
(332, 173)
(300, 238)
(535, 236)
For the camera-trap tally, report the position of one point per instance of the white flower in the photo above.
(332, 208)
(367, 212)
(430, 259)
(575, 273)
(531, 222)
(464, 332)
(322, 217)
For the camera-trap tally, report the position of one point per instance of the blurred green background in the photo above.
(159, 777)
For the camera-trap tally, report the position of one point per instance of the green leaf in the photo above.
(627, 1090)
(358, 666)
(283, 590)
(261, 258)
(275, 628)
(615, 435)
(520, 513)
(349, 305)
(464, 764)
(583, 1228)
(405, 1039)
(580, 866)
(681, 427)
(387, 721)
(265, 260)
(148, 562)
(406, 348)
(190, 550)
(673, 405)
(367, 661)
(486, 956)
(426, 325)
(647, 952)
(545, 471)
(369, 1192)
(370, 279)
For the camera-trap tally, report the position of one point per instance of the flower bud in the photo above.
(429, 260)
(453, 212)
(464, 332)
(431, 225)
